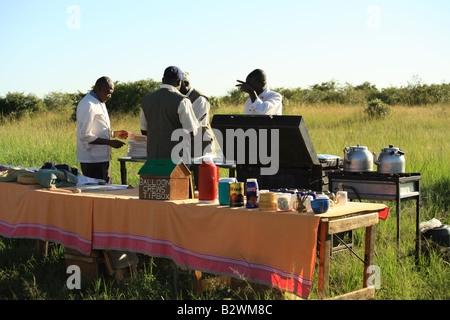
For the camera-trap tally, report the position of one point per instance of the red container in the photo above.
(208, 179)
(382, 215)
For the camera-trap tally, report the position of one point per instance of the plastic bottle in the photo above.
(252, 191)
(208, 178)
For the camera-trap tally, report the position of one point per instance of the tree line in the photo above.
(127, 97)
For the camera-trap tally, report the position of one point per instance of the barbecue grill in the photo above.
(299, 166)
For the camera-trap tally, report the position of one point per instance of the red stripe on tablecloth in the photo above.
(204, 262)
(48, 233)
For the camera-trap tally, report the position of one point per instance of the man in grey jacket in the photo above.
(165, 111)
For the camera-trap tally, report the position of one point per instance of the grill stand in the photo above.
(382, 187)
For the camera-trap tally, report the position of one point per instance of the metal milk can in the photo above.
(391, 160)
(358, 159)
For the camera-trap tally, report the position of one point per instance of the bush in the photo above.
(331, 92)
(127, 97)
(235, 97)
(215, 103)
(17, 104)
(377, 109)
(55, 101)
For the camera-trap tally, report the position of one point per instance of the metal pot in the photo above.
(358, 159)
(391, 160)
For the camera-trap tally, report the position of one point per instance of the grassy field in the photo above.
(423, 132)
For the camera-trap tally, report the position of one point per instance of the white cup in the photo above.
(308, 203)
(341, 198)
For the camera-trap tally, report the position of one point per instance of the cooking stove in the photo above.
(375, 185)
(381, 187)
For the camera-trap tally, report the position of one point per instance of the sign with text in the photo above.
(154, 188)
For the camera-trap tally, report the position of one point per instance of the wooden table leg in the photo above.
(197, 281)
(42, 248)
(201, 285)
(324, 260)
(369, 252)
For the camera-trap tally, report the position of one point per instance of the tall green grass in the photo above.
(423, 132)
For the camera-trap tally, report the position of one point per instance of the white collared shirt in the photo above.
(267, 103)
(185, 114)
(201, 106)
(92, 123)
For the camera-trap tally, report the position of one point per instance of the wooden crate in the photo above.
(120, 263)
(88, 264)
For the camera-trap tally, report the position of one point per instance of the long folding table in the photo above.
(271, 248)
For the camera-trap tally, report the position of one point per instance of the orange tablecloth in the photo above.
(267, 247)
(29, 212)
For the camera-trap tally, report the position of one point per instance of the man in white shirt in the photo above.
(201, 107)
(94, 134)
(261, 101)
(165, 111)
(200, 103)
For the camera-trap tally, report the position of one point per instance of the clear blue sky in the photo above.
(59, 45)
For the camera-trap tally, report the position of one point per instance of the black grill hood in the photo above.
(296, 149)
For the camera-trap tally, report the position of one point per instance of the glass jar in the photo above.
(284, 202)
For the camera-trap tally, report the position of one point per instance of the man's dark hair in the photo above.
(258, 75)
(171, 81)
(104, 82)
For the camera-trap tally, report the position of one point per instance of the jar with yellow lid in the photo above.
(268, 201)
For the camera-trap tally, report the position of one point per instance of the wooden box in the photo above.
(161, 179)
(88, 264)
